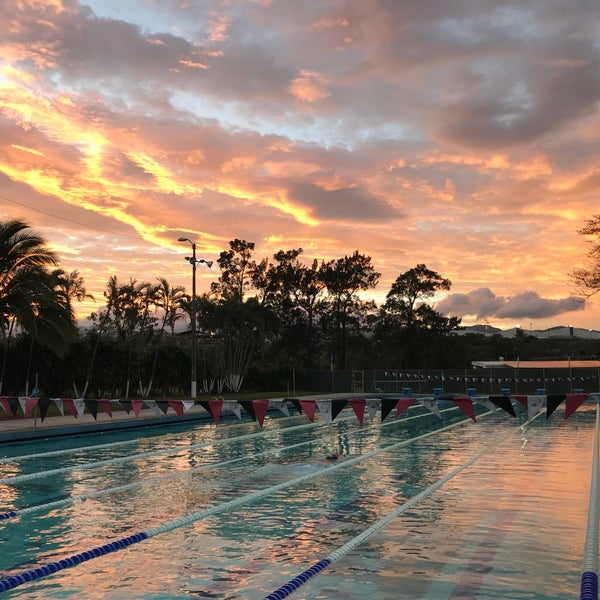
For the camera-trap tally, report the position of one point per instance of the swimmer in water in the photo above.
(333, 456)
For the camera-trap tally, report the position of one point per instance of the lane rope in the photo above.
(589, 576)
(13, 581)
(291, 586)
(70, 500)
(132, 457)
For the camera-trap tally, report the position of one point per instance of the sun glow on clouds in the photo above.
(466, 139)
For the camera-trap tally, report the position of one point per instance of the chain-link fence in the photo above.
(480, 381)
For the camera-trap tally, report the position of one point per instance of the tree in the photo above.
(236, 266)
(28, 291)
(587, 279)
(344, 278)
(405, 317)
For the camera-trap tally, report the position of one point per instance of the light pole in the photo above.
(194, 261)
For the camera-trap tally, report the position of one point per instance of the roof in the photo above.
(537, 364)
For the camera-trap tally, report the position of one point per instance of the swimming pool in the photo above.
(509, 525)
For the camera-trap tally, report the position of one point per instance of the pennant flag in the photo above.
(177, 406)
(22, 403)
(137, 405)
(485, 402)
(574, 401)
(521, 399)
(105, 404)
(387, 404)
(280, 405)
(336, 407)
(466, 405)
(4, 403)
(325, 410)
(553, 402)
(69, 404)
(308, 406)
(260, 410)
(30, 404)
(404, 404)
(372, 407)
(235, 408)
(79, 405)
(297, 404)
(59, 405)
(248, 407)
(534, 405)
(153, 406)
(92, 406)
(504, 403)
(187, 404)
(214, 407)
(126, 404)
(358, 406)
(431, 405)
(163, 405)
(43, 405)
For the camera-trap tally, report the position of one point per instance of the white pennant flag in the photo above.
(431, 405)
(187, 404)
(486, 402)
(234, 407)
(325, 409)
(534, 405)
(59, 405)
(79, 405)
(153, 406)
(280, 405)
(22, 401)
(372, 405)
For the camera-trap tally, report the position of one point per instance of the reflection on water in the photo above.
(512, 525)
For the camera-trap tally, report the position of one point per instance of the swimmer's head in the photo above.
(332, 456)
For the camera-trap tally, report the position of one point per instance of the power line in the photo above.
(48, 214)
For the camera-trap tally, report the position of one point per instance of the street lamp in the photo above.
(194, 261)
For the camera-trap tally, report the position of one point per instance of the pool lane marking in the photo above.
(291, 586)
(93, 447)
(177, 449)
(163, 451)
(13, 581)
(70, 500)
(589, 576)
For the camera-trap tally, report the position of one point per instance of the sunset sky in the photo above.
(463, 135)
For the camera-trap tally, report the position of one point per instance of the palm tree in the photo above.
(167, 298)
(28, 298)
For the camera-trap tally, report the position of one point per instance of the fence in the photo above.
(448, 381)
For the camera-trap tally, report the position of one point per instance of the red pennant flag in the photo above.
(403, 404)
(309, 407)
(466, 405)
(5, 404)
(105, 404)
(522, 399)
(574, 401)
(177, 406)
(136, 405)
(69, 403)
(30, 404)
(216, 406)
(358, 406)
(260, 410)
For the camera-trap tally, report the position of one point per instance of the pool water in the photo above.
(511, 525)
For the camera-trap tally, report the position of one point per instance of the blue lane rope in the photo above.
(70, 500)
(589, 576)
(43, 571)
(291, 586)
